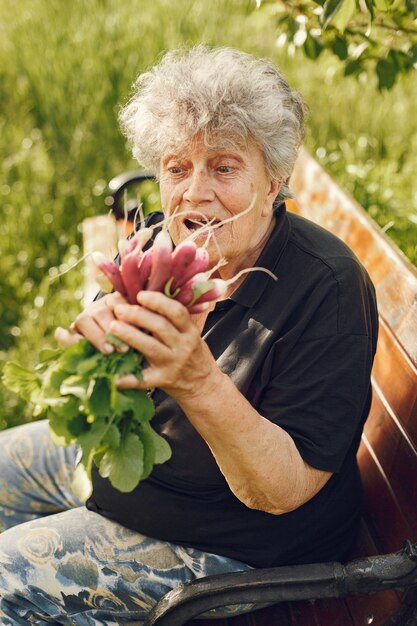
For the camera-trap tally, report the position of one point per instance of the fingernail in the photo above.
(108, 348)
(124, 348)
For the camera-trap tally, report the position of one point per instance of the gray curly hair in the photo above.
(227, 95)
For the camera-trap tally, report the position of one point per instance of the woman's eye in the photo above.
(175, 169)
(224, 169)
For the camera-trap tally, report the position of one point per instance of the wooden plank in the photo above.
(382, 512)
(276, 615)
(396, 375)
(373, 609)
(396, 457)
(326, 612)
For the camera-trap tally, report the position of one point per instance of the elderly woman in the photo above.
(262, 397)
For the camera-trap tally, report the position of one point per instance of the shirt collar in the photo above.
(255, 283)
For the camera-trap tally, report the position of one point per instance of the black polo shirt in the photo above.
(301, 350)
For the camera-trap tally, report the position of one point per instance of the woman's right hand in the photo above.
(92, 324)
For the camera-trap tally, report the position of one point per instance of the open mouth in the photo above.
(195, 223)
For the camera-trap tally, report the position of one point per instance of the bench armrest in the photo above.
(281, 584)
(117, 186)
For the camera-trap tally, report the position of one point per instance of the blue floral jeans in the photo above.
(63, 564)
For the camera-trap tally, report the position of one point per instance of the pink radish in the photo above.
(182, 257)
(199, 264)
(194, 288)
(135, 243)
(161, 262)
(218, 291)
(135, 273)
(111, 270)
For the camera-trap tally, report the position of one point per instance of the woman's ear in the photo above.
(274, 187)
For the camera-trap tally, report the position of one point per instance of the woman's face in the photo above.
(203, 184)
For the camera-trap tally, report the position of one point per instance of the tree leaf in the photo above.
(330, 8)
(353, 67)
(370, 7)
(339, 47)
(343, 14)
(387, 73)
(312, 47)
(124, 466)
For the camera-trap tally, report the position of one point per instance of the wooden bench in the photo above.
(335, 594)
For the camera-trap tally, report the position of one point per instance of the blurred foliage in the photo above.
(379, 36)
(64, 70)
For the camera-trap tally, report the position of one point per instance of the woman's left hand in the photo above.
(161, 329)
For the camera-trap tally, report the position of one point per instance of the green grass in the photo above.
(65, 67)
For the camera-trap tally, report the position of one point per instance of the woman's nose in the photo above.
(199, 188)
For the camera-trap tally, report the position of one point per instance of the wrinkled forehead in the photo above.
(182, 143)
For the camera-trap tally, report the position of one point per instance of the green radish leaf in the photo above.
(130, 363)
(200, 287)
(76, 386)
(78, 425)
(163, 450)
(88, 365)
(92, 439)
(98, 402)
(136, 402)
(115, 341)
(21, 381)
(61, 415)
(75, 354)
(124, 466)
(145, 433)
(53, 378)
(48, 354)
(81, 483)
(143, 406)
(112, 437)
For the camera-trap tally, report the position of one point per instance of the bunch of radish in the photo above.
(181, 273)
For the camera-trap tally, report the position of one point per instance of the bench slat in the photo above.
(397, 458)
(396, 375)
(382, 512)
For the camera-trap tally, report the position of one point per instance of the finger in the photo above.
(65, 337)
(171, 309)
(130, 382)
(94, 333)
(149, 346)
(146, 319)
(150, 380)
(114, 298)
